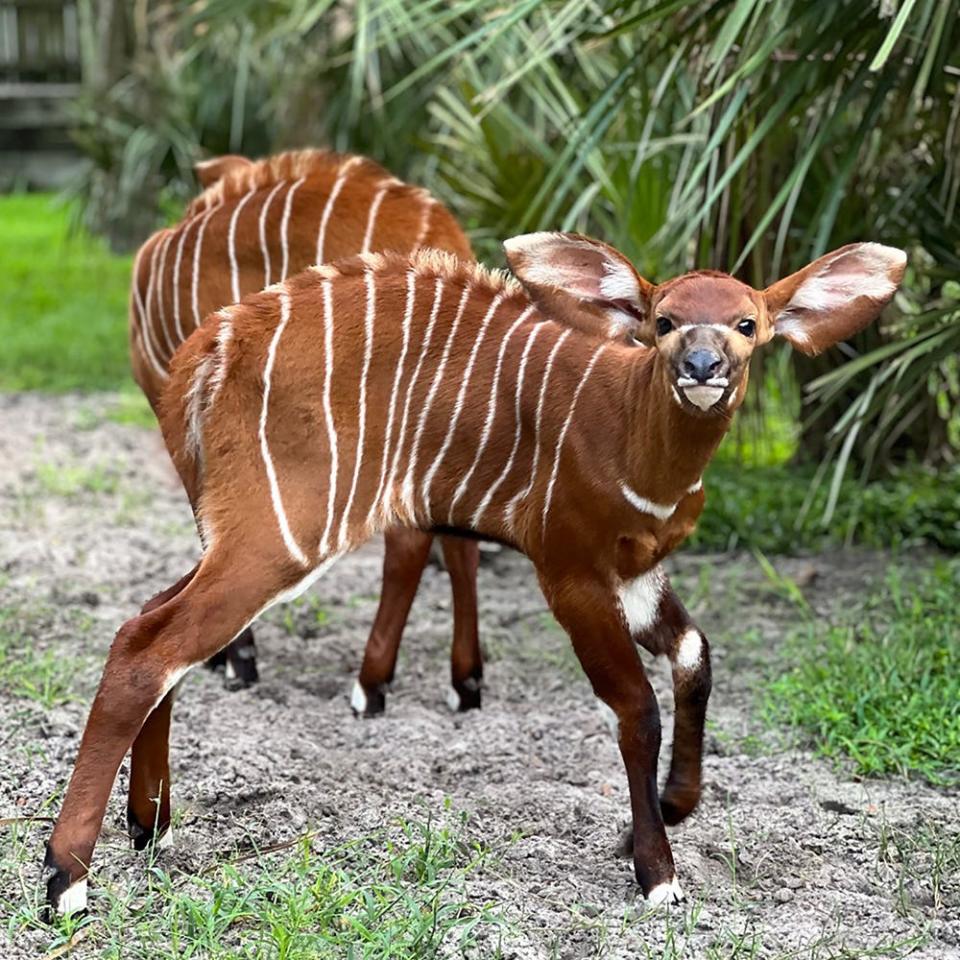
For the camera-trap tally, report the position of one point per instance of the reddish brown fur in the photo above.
(166, 271)
(595, 484)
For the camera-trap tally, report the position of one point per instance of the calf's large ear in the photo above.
(584, 283)
(210, 171)
(836, 296)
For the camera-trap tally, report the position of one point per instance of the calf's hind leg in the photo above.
(239, 661)
(462, 558)
(405, 554)
(148, 657)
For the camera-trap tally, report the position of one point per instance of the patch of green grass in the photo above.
(402, 895)
(63, 303)
(28, 673)
(72, 480)
(919, 864)
(132, 409)
(766, 508)
(882, 687)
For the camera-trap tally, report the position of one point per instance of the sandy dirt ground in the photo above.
(786, 852)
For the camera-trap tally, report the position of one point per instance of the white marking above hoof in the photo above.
(665, 894)
(690, 650)
(358, 699)
(73, 899)
(165, 842)
(453, 700)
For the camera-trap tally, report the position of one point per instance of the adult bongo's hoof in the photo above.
(367, 703)
(465, 695)
(65, 895)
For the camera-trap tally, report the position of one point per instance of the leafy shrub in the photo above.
(779, 509)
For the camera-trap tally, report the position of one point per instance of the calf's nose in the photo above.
(701, 364)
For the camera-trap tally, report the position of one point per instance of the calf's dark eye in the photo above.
(747, 327)
(664, 326)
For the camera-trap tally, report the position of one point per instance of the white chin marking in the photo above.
(703, 397)
(74, 898)
(166, 840)
(358, 699)
(453, 700)
(665, 894)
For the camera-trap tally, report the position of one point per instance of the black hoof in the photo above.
(65, 894)
(218, 660)
(466, 694)
(143, 836)
(240, 672)
(368, 703)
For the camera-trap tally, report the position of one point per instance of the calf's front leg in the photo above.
(590, 611)
(674, 635)
(667, 630)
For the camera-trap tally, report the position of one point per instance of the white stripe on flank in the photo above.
(407, 492)
(278, 510)
(563, 434)
(694, 487)
(232, 244)
(145, 335)
(181, 336)
(372, 219)
(491, 411)
(224, 336)
(510, 509)
(662, 511)
(284, 226)
(401, 437)
(264, 246)
(370, 282)
(458, 403)
(193, 410)
(328, 208)
(508, 466)
(425, 216)
(195, 280)
(327, 412)
(388, 434)
(161, 313)
(151, 283)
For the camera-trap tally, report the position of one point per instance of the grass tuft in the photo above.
(63, 303)
(882, 687)
(402, 894)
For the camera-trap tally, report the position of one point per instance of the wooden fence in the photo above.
(40, 72)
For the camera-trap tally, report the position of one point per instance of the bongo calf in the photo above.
(428, 392)
(257, 223)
